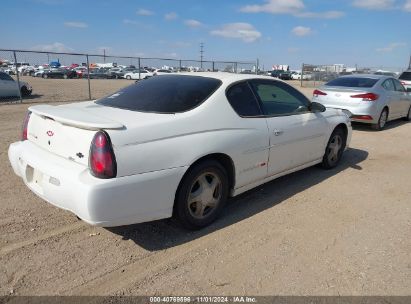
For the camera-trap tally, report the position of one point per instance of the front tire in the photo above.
(335, 149)
(128, 77)
(382, 121)
(201, 195)
(25, 92)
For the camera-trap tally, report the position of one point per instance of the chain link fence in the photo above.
(60, 77)
(315, 75)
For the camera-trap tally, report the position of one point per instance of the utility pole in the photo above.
(104, 55)
(409, 64)
(201, 54)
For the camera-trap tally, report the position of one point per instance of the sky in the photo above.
(367, 33)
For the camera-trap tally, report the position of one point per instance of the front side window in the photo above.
(388, 85)
(4, 76)
(278, 98)
(165, 94)
(243, 100)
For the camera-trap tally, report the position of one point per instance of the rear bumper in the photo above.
(367, 109)
(100, 202)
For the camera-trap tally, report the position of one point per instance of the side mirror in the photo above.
(316, 107)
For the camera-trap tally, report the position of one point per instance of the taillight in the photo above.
(25, 125)
(366, 96)
(317, 93)
(362, 117)
(102, 160)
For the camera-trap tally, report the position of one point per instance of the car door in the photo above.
(393, 99)
(297, 136)
(252, 152)
(8, 86)
(3, 86)
(403, 97)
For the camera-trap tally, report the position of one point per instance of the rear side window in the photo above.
(405, 76)
(353, 82)
(163, 94)
(242, 100)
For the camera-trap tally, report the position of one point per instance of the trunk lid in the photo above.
(67, 130)
(339, 97)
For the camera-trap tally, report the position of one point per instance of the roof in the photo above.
(225, 76)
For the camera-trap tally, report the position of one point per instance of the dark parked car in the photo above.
(116, 73)
(284, 75)
(59, 73)
(99, 74)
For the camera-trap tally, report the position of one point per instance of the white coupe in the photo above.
(135, 75)
(174, 145)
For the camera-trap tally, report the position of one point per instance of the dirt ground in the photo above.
(315, 232)
(52, 90)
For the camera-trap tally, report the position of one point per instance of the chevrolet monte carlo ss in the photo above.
(174, 145)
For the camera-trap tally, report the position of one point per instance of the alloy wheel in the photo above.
(205, 195)
(383, 119)
(334, 148)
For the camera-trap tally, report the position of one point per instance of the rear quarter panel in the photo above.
(213, 127)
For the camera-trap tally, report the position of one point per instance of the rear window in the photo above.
(405, 76)
(163, 94)
(353, 82)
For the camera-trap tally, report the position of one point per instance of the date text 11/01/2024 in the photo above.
(199, 299)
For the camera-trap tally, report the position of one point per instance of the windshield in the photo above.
(353, 82)
(163, 94)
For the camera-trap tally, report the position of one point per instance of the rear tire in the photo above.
(382, 121)
(201, 195)
(335, 149)
(408, 117)
(45, 76)
(128, 77)
(65, 76)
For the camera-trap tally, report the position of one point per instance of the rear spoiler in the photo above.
(75, 117)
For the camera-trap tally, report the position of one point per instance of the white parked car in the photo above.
(174, 145)
(9, 87)
(40, 72)
(161, 72)
(135, 75)
(297, 76)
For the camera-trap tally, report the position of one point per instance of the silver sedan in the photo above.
(372, 99)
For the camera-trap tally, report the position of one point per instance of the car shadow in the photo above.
(357, 126)
(8, 100)
(163, 234)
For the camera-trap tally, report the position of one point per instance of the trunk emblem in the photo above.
(338, 95)
(50, 133)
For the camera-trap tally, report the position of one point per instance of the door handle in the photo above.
(278, 132)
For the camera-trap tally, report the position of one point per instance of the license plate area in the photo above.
(35, 179)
